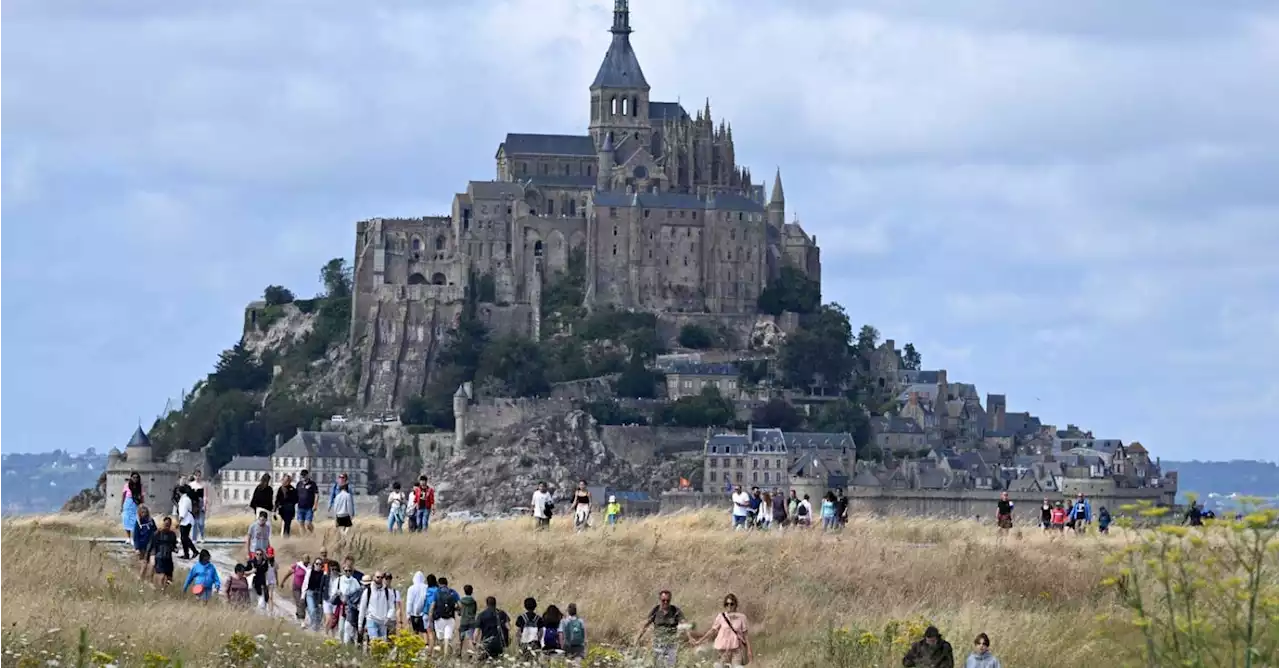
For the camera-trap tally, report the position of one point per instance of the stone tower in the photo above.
(777, 212)
(460, 400)
(620, 94)
(604, 155)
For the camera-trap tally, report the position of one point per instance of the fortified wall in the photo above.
(642, 445)
(966, 503)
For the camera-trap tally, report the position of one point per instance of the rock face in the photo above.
(90, 498)
(502, 472)
(766, 335)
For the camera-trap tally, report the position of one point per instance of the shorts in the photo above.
(1005, 521)
(306, 514)
(344, 522)
(739, 520)
(164, 566)
(465, 629)
(444, 629)
(417, 624)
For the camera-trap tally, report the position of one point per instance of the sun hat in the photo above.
(366, 580)
(612, 498)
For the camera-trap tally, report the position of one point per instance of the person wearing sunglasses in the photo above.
(732, 645)
(981, 657)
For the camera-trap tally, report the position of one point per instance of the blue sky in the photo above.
(1075, 205)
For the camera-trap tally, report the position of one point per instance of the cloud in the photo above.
(1072, 204)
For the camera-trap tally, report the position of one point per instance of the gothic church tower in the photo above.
(620, 94)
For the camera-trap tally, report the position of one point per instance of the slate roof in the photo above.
(494, 189)
(620, 67)
(659, 111)
(569, 181)
(139, 439)
(895, 425)
(317, 444)
(702, 369)
(242, 463)
(670, 200)
(802, 440)
(576, 145)
(793, 442)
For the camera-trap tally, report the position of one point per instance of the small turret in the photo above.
(604, 157)
(460, 426)
(138, 450)
(777, 203)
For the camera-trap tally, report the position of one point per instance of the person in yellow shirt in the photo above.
(612, 510)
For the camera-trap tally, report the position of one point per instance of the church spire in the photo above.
(621, 18)
(776, 195)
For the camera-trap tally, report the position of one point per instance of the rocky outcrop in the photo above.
(502, 472)
(90, 498)
(766, 335)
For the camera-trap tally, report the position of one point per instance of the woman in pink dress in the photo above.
(730, 631)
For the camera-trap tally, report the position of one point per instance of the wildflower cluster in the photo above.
(1200, 595)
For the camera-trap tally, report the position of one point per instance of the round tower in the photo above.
(604, 170)
(460, 416)
(138, 450)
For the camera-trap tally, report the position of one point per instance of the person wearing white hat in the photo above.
(612, 511)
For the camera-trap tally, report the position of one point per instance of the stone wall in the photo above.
(982, 503)
(641, 445)
(938, 503)
(585, 389)
(490, 415)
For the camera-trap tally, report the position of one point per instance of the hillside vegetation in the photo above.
(814, 600)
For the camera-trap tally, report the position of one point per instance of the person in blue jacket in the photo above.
(1081, 513)
(205, 574)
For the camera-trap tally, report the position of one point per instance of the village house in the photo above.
(324, 454)
(239, 477)
(898, 435)
(769, 458)
(687, 379)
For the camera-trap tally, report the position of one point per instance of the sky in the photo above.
(1073, 204)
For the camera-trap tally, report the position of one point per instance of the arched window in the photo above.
(439, 242)
(416, 244)
(626, 106)
(417, 279)
(537, 249)
(437, 279)
(613, 106)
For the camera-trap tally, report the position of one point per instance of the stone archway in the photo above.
(417, 279)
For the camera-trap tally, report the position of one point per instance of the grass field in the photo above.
(850, 599)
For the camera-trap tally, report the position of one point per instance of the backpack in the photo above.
(802, 511)
(575, 634)
(446, 604)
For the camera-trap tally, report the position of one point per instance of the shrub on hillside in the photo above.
(696, 337)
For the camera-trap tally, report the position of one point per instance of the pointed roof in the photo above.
(620, 68)
(777, 196)
(139, 439)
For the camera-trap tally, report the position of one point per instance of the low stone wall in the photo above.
(585, 389)
(940, 503)
(490, 415)
(982, 503)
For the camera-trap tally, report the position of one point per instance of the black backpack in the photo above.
(446, 604)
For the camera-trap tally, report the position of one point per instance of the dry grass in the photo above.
(1037, 596)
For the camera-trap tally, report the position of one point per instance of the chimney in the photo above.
(751, 433)
(889, 342)
(279, 441)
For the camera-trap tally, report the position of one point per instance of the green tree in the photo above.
(843, 417)
(868, 339)
(518, 363)
(777, 413)
(465, 346)
(486, 288)
(636, 381)
(696, 337)
(564, 293)
(790, 291)
(238, 369)
(707, 409)
(819, 352)
(910, 358)
(276, 295)
(336, 277)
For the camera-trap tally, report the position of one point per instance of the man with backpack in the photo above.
(377, 608)
(423, 501)
(573, 636)
(493, 629)
(443, 612)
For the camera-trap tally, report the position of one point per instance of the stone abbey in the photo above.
(650, 201)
